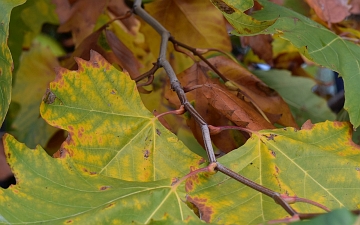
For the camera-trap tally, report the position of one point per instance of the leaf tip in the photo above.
(308, 125)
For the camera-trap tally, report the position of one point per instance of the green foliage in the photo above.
(123, 164)
(297, 93)
(314, 41)
(6, 62)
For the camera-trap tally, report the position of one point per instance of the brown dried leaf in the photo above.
(83, 51)
(331, 11)
(63, 8)
(83, 16)
(261, 46)
(126, 57)
(355, 9)
(235, 109)
(196, 75)
(203, 23)
(268, 100)
(118, 8)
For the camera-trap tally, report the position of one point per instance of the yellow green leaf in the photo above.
(319, 162)
(199, 18)
(110, 130)
(244, 24)
(54, 191)
(6, 62)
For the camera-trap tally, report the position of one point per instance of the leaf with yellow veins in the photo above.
(54, 191)
(319, 162)
(110, 130)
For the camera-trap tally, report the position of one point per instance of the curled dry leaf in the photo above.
(196, 75)
(332, 11)
(268, 100)
(123, 53)
(235, 109)
(83, 16)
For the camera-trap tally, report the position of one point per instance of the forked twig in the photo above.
(176, 86)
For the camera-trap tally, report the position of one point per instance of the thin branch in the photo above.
(155, 67)
(195, 52)
(176, 86)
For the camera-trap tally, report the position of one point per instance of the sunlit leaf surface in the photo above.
(54, 191)
(319, 162)
(110, 130)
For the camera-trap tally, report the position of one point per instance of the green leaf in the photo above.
(233, 11)
(315, 42)
(297, 93)
(37, 68)
(6, 62)
(54, 191)
(25, 24)
(110, 130)
(319, 162)
(338, 216)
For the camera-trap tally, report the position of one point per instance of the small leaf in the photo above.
(307, 163)
(54, 191)
(110, 130)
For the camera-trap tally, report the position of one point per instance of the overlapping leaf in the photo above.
(254, 90)
(54, 191)
(110, 130)
(297, 93)
(6, 62)
(217, 106)
(244, 24)
(37, 68)
(316, 42)
(198, 18)
(26, 23)
(319, 162)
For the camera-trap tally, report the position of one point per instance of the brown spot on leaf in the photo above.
(271, 137)
(223, 6)
(158, 132)
(110, 205)
(273, 153)
(49, 97)
(338, 124)
(103, 188)
(146, 154)
(69, 221)
(204, 210)
(191, 181)
(276, 169)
